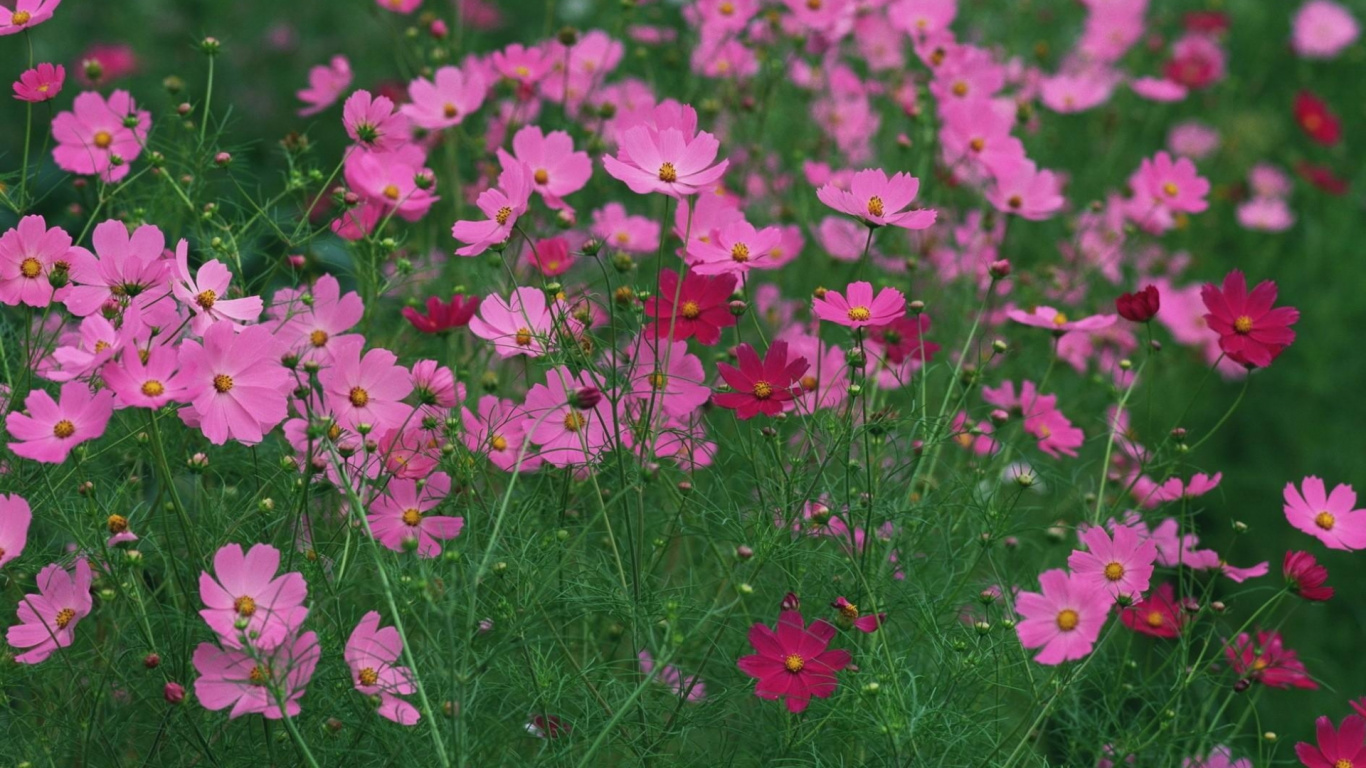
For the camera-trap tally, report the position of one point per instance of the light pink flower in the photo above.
(41, 83)
(1266, 214)
(372, 122)
(879, 201)
(690, 688)
(619, 230)
(1064, 619)
(666, 160)
(566, 433)
(397, 517)
(1057, 322)
(1175, 185)
(372, 653)
(204, 293)
(247, 603)
(1068, 93)
(28, 255)
(368, 390)
(149, 383)
(664, 375)
(393, 182)
(447, 99)
(47, 620)
(859, 308)
(522, 325)
(123, 267)
(556, 169)
(326, 84)
(15, 517)
(1322, 29)
(1330, 518)
(502, 205)
(497, 431)
(50, 429)
(399, 6)
(1122, 567)
(26, 15)
(237, 385)
(1159, 89)
(732, 249)
(1023, 190)
(94, 138)
(232, 678)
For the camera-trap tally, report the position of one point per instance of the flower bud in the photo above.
(174, 693)
(999, 270)
(586, 398)
(744, 552)
(738, 307)
(791, 602)
(151, 661)
(222, 159)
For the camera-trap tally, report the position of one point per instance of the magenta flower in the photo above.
(1251, 331)
(237, 385)
(247, 604)
(690, 689)
(502, 205)
(859, 308)
(50, 429)
(41, 83)
(1330, 518)
(123, 267)
(1121, 567)
(1175, 185)
(566, 433)
(879, 201)
(668, 161)
(1305, 576)
(368, 390)
(1057, 322)
(397, 516)
(443, 316)
(519, 326)
(1268, 661)
(393, 182)
(794, 662)
(147, 383)
(204, 293)
(699, 308)
(372, 122)
(29, 254)
(232, 678)
(521, 64)
(1344, 747)
(26, 14)
(1065, 619)
(556, 169)
(446, 100)
(769, 386)
(326, 84)
(15, 517)
(372, 654)
(47, 620)
(94, 138)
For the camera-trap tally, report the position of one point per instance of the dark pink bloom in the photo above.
(1251, 331)
(566, 433)
(29, 254)
(398, 517)
(794, 662)
(859, 308)
(1304, 575)
(1159, 614)
(769, 386)
(698, 307)
(497, 432)
(1341, 748)
(1139, 306)
(41, 83)
(123, 267)
(47, 620)
(443, 316)
(247, 603)
(372, 653)
(1268, 661)
(1331, 518)
(232, 678)
(50, 429)
(146, 383)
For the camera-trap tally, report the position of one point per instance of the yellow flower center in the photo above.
(412, 517)
(1343, 763)
(245, 606)
(64, 429)
(117, 523)
(739, 253)
(359, 397)
(20, 17)
(875, 206)
(859, 314)
(522, 71)
(498, 443)
(1261, 663)
(809, 383)
(667, 174)
(450, 111)
(318, 338)
(977, 144)
(1155, 619)
(1060, 319)
(1325, 520)
(1015, 202)
(504, 214)
(573, 421)
(523, 337)
(541, 176)
(657, 379)
(258, 675)
(30, 268)
(794, 663)
(960, 89)
(222, 383)
(391, 192)
(726, 8)
(1068, 620)
(64, 617)
(101, 345)
(1169, 189)
(205, 300)
(1243, 324)
(103, 139)
(849, 611)
(690, 310)
(368, 676)
(762, 389)
(1114, 571)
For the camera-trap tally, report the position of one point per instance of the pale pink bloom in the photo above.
(1193, 139)
(619, 230)
(667, 160)
(237, 385)
(398, 517)
(326, 84)
(127, 267)
(204, 293)
(232, 678)
(732, 249)
(980, 129)
(726, 15)
(26, 15)
(41, 83)
(1057, 322)
(556, 169)
(1064, 618)
(320, 326)
(96, 343)
(1268, 180)
(1151, 495)
(434, 384)
(1174, 185)
(49, 429)
(368, 390)
(1266, 214)
(566, 434)
(372, 654)
(394, 183)
(149, 383)
(721, 56)
(447, 99)
(1159, 89)
(1025, 191)
(1122, 567)
(921, 18)
(1330, 518)
(859, 308)
(521, 64)
(1322, 29)
(879, 201)
(579, 69)
(1077, 92)
(831, 18)
(1219, 757)
(826, 382)
(664, 375)
(372, 123)
(496, 431)
(28, 254)
(522, 325)
(1112, 27)
(690, 688)
(965, 72)
(94, 137)
(502, 205)
(15, 517)
(246, 603)
(48, 619)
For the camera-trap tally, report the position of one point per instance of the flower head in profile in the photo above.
(691, 688)
(233, 678)
(372, 653)
(1139, 306)
(1251, 331)
(668, 161)
(1120, 566)
(100, 136)
(1317, 120)
(1306, 577)
(1057, 322)
(15, 517)
(446, 100)
(793, 662)
(879, 201)
(51, 428)
(1268, 661)
(848, 616)
(1159, 614)
(1343, 747)
(41, 83)
(247, 603)
(768, 386)
(326, 84)
(48, 619)
(859, 308)
(1219, 757)
(399, 517)
(443, 315)
(1064, 618)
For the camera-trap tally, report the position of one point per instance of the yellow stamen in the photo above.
(1068, 619)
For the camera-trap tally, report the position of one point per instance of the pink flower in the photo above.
(849, 616)
(1065, 619)
(372, 654)
(521, 325)
(1197, 62)
(1159, 89)
(372, 122)
(127, 267)
(1073, 92)
(1341, 748)
(769, 386)
(1219, 757)
(1251, 332)
(567, 434)
(326, 84)
(320, 327)
(665, 376)
(1266, 214)
(733, 248)
(921, 18)
(1268, 661)
(247, 602)
(1121, 567)
(859, 308)
(794, 662)
(392, 182)
(1322, 29)
(102, 64)
(47, 620)
(1305, 576)
(204, 293)
(94, 138)
(879, 201)
(1057, 322)
(903, 339)
(232, 678)
(1330, 518)
(237, 385)
(446, 100)
(1173, 185)
(696, 307)
(397, 516)
(15, 517)
(26, 14)
(665, 160)
(149, 383)
(367, 390)
(502, 205)
(497, 431)
(1025, 191)
(556, 169)
(689, 688)
(29, 254)
(524, 65)
(41, 83)
(551, 257)
(399, 6)
(49, 430)
(619, 230)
